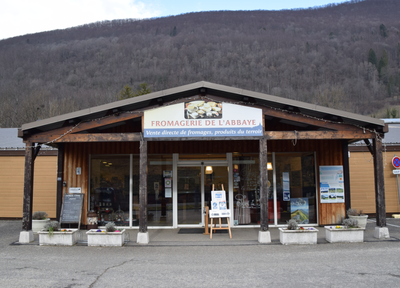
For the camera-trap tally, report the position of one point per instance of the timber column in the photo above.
(26, 235)
(264, 234)
(143, 235)
(381, 231)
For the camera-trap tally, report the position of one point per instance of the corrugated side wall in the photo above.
(362, 185)
(12, 185)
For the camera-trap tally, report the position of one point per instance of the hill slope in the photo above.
(323, 56)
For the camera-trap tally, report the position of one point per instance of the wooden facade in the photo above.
(362, 181)
(12, 184)
(289, 126)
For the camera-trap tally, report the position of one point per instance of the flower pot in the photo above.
(362, 220)
(38, 225)
(105, 238)
(334, 234)
(61, 238)
(306, 236)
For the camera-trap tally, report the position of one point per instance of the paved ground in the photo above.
(193, 260)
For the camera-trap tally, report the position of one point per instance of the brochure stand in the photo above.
(219, 213)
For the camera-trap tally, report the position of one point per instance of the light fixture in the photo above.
(269, 166)
(209, 170)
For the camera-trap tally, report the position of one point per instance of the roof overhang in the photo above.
(203, 88)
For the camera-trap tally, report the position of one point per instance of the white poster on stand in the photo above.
(218, 205)
(331, 184)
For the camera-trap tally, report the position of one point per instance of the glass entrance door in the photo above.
(189, 195)
(194, 185)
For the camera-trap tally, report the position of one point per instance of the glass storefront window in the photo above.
(246, 192)
(109, 188)
(295, 187)
(159, 190)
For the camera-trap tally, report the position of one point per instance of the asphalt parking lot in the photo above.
(180, 260)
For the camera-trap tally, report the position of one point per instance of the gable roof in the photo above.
(205, 88)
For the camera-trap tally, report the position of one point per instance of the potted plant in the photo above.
(53, 235)
(359, 216)
(294, 234)
(111, 236)
(349, 231)
(39, 220)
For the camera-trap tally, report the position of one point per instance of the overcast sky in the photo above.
(20, 17)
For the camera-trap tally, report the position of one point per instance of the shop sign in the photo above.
(331, 184)
(203, 119)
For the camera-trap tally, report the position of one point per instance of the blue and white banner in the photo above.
(203, 119)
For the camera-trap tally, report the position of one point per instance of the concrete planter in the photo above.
(362, 220)
(288, 237)
(60, 238)
(334, 234)
(38, 225)
(105, 238)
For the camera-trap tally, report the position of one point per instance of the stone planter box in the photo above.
(61, 238)
(38, 225)
(288, 237)
(105, 238)
(362, 220)
(343, 235)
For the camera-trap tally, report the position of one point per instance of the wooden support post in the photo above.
(379, 184)
(60, 172)
(346, 172)
(263, 185)
(206, 231)
(28, 187)
(143, 187)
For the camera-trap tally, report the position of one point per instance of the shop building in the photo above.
(362, 172)
(12, 163)
(151, 161)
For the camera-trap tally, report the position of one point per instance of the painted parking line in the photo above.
(386, 223)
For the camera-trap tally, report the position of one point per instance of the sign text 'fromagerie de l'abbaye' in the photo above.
(203, 119)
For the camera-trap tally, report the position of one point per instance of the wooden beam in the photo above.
(143, 187)
(309, 135)
(379, 184)
(100, 137)
(28, 187)
(84, 126)
(308, 120)
(263, 185)
(369, 146)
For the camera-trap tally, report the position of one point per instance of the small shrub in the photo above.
(51, 227)
(110, 227)
(354, 212)
(292, 224)
(351, 223)
(40, 215)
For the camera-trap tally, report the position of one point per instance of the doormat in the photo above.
(198, 231)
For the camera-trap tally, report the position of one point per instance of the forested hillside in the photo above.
(344, 56)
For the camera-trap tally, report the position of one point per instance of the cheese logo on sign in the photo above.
(203, 110)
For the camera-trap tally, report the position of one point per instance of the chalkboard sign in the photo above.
(72, 208)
